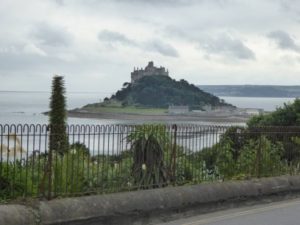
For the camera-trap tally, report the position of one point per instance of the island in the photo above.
(152, 95)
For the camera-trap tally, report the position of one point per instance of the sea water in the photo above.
(267, 104)
(27, 107)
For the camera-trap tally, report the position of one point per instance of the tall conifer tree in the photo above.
(57, 117)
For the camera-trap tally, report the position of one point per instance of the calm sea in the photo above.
(27, 107)
(268, 104)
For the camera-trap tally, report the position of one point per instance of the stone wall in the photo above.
(149, 206)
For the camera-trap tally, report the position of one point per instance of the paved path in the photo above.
(278, 213)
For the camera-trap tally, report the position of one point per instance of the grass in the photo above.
(116, 107)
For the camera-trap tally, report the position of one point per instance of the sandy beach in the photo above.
(213, 118)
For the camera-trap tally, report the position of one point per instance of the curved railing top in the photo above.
(116, 128)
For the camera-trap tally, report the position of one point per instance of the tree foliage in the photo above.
(288, 115)
(241, 154)
(57, 116)
(162, 91)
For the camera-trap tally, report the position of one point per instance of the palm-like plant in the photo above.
(148, 144)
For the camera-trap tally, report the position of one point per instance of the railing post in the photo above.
(49, 165)
(173, 158)
(258, 158)
(49, 171)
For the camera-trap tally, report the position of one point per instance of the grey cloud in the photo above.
(153, 45)
(115, 37)
(160, 2)
(51, 35)
(25, 62)
(290, 5)
(227, 46)
(174, 2)
(17, 62)
(28, 57)
(162, 48)
(60, 2)
(172, 31)
(284, 40)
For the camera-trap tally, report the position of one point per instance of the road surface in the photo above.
(277, 213)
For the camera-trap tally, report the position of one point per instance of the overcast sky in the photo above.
(96, 43)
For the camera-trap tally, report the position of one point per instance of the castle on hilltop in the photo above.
(149, 70)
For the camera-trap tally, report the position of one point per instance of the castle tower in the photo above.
(150, 70)
(150, 64)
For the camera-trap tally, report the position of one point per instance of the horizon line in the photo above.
(79, 92)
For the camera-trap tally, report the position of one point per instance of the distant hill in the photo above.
(252, 90)
(162, 91)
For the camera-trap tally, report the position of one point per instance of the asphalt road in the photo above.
(278, 213)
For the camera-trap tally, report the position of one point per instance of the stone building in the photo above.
(178, 109)
(149, 70)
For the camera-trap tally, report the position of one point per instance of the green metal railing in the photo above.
(105, 159)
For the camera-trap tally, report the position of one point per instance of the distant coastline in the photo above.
(258, 91)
